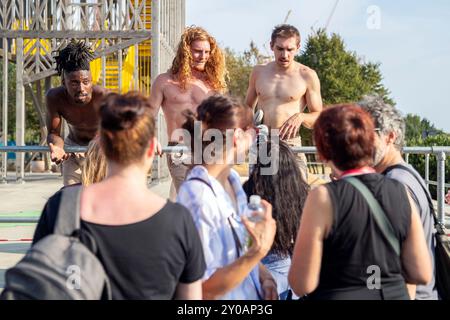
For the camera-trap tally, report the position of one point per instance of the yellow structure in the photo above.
(129, 61)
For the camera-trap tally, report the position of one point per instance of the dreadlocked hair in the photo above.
(74, 57)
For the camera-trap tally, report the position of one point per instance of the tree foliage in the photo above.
(32, 127)
(418, 128)
(344, 77)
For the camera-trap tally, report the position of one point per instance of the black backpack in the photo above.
(59, 266)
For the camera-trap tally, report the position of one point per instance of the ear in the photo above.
(151, 147)
(390, 138)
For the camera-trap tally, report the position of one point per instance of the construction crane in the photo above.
(287, 16)
(331, 14)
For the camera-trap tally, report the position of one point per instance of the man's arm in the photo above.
(157, 94)
(313, 100)
(252, 96)
(54, 121)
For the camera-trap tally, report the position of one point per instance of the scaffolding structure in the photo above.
(133, 41)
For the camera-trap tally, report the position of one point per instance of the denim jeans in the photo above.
(279, 268)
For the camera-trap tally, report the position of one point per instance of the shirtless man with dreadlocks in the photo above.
(77, 101)
(197, 72)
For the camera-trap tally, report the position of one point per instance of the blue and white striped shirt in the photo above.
(211, 213)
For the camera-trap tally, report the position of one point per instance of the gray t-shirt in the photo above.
(427, 292)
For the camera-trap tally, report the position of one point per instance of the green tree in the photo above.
(32, 130)
(240, 67)
(344, 77)
(418, 128)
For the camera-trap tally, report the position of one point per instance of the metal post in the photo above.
(103, 44)
(407, 158)
(427, 170)
(440, 186)
(120, 62)
(20, 111)
(5, 109)
(155, 66)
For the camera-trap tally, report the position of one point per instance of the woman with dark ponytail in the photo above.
(149, 247)
(219, 134)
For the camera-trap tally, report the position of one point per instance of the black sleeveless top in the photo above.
(355, 246)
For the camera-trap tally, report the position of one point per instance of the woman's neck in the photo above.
(133, 176)
(220, 172)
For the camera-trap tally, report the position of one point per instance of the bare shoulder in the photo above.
(163, 78)
(100, 91)
(259, 68)
(306, 72)
(54, 97)
(319, 194)
(55, 93)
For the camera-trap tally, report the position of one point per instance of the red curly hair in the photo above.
(215, 67)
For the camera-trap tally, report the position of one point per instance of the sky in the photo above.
(410, 39)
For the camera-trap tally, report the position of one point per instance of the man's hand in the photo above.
(57, 154)
(290, 127)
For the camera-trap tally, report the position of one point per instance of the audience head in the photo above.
(389, 126)
(127, 129)
(344, 135)
(225, 122)
(285, 190)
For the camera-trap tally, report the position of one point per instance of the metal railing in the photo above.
(440, 153)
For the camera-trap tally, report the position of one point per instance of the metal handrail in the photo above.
(439, 151)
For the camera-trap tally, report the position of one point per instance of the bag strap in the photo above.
(377, 212)
(235, 236)
(439, 226)
(68, 217)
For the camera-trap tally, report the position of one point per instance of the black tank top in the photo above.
(355, 246)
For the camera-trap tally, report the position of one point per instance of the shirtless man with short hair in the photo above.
(77, 101)
(283, 88)
(197, 72)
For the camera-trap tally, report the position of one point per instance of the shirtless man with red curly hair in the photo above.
(197, 72)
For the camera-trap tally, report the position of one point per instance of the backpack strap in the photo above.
(68, 217)
(377, 212)
(439, 226)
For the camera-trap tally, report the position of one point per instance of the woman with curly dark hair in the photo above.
(280, 182)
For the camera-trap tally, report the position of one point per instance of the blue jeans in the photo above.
(279, 268)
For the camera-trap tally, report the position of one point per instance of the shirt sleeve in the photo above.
(202, 205)
(195, 260)
(46, 223)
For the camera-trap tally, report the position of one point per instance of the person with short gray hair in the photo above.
(389, 141)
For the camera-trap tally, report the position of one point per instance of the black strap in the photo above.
(68, 217)
(437, 224)
(377, 211)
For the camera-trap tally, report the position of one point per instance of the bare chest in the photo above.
(280, 88)
(81, 117)
(175, 97)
